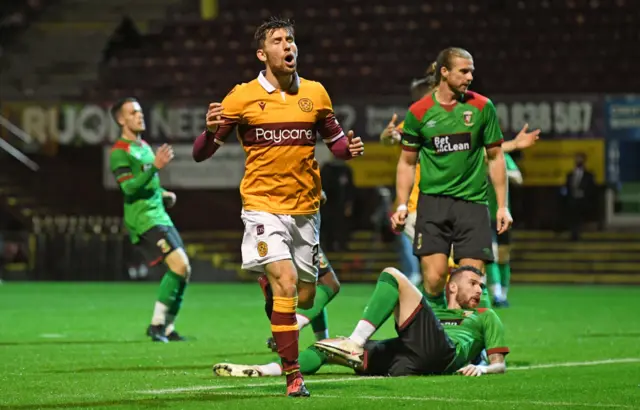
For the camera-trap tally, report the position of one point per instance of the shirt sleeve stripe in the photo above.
(125, 178)
(503, 350)
(118, 172)
(495, 144)
(334, 139)
(410, 139)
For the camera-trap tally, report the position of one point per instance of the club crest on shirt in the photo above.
(305, 104)
(467, 116)
(163, 245)
(263, 248)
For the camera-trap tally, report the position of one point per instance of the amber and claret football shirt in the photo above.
(278, 131)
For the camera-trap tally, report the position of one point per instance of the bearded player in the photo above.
(430, 341)
(150, 227)
(277, 116)
(451, 128)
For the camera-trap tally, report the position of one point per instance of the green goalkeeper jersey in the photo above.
(131, 163)
(472, 331)
(493, 202)
(451, 142)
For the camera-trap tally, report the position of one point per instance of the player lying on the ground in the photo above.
(430, 341)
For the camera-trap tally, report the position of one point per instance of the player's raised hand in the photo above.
(214, 116)
(504, 220)
(356, 146)
(164, 155)
(399, 219)
(526, 139)
(390, 133)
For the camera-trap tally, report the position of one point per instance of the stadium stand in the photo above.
(350, 45)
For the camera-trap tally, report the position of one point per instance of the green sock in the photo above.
(169, 288)
(485, 300)
(324, 295)
(493, 274)
(174, 308)
(320, 325)
(505, 277)
(383, 300)
(436, 301)
(311, 360)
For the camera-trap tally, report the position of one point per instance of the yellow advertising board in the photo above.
(377, 167)
(549, 161)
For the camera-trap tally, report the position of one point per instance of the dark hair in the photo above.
(464, 268)
(117, 106)
(428, 82)
(445, 59)
(268, 26)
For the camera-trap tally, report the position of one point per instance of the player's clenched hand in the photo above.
(164, 155)
(526, 139)
(169, 198)
(214, 116)
(390, 134)
(471, 371)
(356, 146)
(504, 219)
(399, 219)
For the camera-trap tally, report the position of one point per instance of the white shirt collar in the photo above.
(268, 87)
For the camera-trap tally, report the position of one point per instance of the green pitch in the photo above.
(82, 346)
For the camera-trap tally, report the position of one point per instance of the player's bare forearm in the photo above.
(509, 146)
(498, 174)
(405, 175)
(496, 364)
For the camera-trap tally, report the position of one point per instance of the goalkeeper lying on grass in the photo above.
(430, 341)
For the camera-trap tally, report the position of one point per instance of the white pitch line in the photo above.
(264, 384)
(52, 335)
(440, 399)
(576, 364)
(364, 379)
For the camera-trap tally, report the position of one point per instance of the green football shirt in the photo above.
(472, 331)
(451, 142)
(131, 163)
(493, 202)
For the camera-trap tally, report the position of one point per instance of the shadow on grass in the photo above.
(71, 342)
(205, 366)
(142, 402)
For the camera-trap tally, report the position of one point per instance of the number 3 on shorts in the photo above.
(316, 259)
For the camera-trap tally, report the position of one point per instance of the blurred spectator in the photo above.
(578, 192)
(337, 182)
(125, 36)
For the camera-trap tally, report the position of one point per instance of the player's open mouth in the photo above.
(290, 60)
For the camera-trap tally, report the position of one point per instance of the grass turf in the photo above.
(75, 345)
